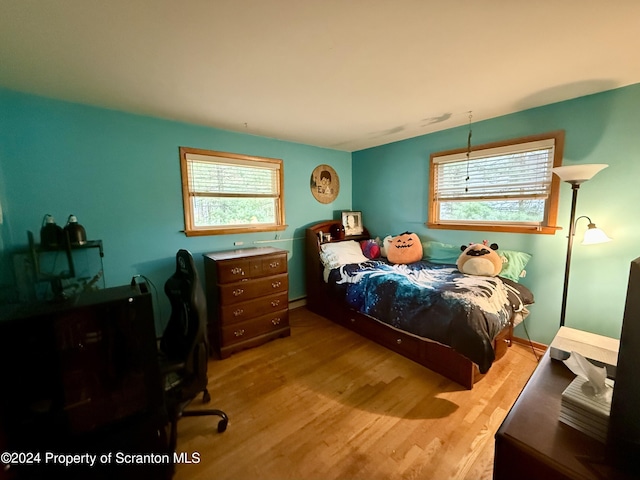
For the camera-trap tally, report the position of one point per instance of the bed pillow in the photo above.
(513, 264)
(437, 252)
(370, 249)
(334, 255)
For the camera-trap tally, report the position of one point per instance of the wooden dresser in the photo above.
(247, 297)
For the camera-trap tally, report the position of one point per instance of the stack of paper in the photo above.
(584, 411)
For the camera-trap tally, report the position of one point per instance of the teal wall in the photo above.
(390, 186)
(120, 175)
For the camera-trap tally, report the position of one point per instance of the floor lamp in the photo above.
(576, 175)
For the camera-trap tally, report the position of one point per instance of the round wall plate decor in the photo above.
(324, 184)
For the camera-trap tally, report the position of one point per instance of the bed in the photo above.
(457, 325)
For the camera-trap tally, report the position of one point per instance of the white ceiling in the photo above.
(343, 74)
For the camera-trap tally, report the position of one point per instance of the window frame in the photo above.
(189, 227)
(549, 224)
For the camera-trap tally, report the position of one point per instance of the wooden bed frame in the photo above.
(439, 358)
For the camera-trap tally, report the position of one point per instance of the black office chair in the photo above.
(184, 346)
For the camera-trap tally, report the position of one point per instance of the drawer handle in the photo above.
(399, 341)
(276, 284)
(274, 264)
(275, 303)
(238, 312)
(238, 292)
(276, 321)
(237, 271)
(353, 320)
(239, 333)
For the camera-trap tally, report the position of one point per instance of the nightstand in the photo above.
(533, 444)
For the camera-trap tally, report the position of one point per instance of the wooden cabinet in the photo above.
(247, 297)
(533, 444)
(82, 376)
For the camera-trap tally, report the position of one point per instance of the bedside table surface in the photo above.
(532, 443)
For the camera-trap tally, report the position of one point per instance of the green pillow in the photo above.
(514, 264)
(437, 252)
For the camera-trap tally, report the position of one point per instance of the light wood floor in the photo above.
(327, 404)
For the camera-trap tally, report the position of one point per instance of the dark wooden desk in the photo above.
(532, 444)
(82, 376)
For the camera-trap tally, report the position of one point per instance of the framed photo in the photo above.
(352, 222)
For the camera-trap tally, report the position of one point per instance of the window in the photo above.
(230, 193)
(503, 187)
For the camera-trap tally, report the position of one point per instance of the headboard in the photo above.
(316, 288)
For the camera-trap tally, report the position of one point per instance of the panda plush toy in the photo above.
(480, 259)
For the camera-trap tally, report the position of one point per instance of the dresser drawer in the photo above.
(245, 310)
(242, 331)
(230, 271)
(270, 265)
(234, 270)
(246, 290)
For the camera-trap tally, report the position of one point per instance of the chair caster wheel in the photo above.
(206, 398)
(222, 425)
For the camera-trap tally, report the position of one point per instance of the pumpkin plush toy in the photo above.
(404, 248)
(480, 259)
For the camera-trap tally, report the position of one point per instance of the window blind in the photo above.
(225, 177)
(495, 175)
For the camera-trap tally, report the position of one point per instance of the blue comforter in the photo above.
(434, 301)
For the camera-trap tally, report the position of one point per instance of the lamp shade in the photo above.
(594, 235)
(578, 173)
